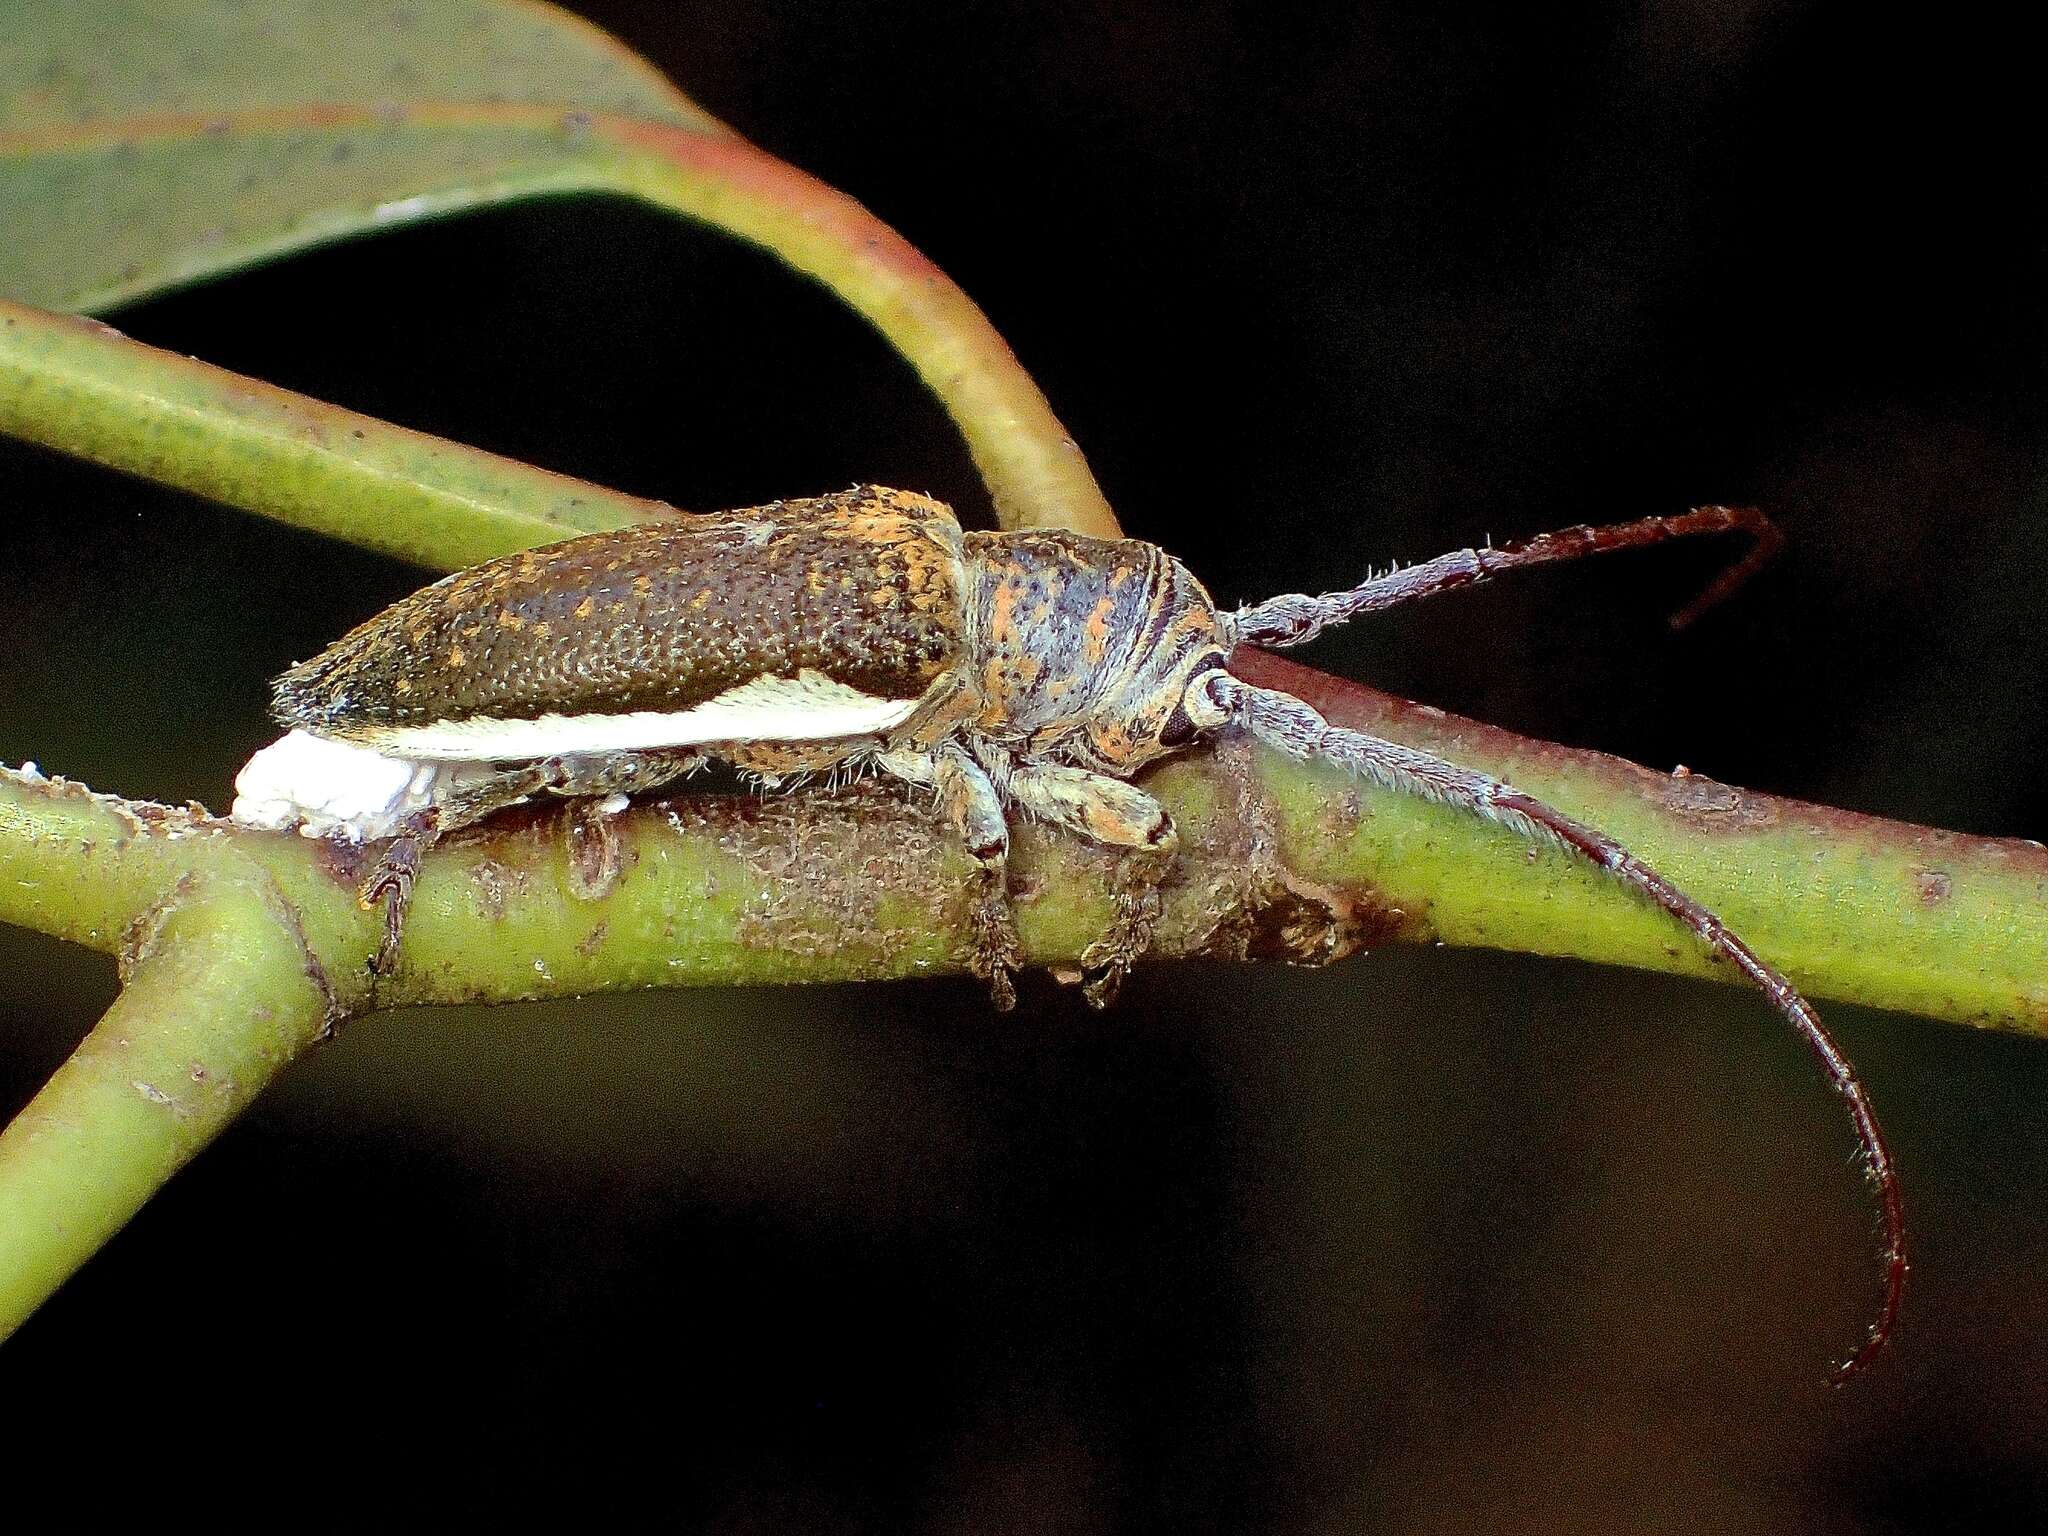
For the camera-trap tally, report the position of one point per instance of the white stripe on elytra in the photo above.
(807, 707)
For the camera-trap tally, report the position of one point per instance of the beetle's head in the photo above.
(1157, 703)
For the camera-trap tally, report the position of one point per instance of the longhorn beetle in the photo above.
(1035, 670)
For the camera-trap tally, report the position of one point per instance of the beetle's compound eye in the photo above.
(1199, 708)
(1179, 730)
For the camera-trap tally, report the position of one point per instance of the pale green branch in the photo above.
(82, 388)
(218, 995)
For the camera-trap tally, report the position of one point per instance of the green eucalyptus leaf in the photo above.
(148, 143)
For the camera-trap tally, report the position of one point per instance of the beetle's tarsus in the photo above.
(997, 955)
(1103, 969)
(390, 885)
(1106, 962)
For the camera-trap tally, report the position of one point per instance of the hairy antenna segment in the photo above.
(1297, 729)
(1295, 618)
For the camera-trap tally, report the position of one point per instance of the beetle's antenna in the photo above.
(1290, 726)
(1295, 618)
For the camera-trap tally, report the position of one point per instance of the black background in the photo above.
(1432, 1242)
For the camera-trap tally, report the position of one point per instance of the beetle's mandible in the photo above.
(1034, 670)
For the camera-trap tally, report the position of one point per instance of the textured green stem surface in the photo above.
(1281, 861)
(82, 388)
(218, 995)
(1851, 907)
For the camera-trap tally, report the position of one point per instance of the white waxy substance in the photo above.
(807, 707)
(327, 788)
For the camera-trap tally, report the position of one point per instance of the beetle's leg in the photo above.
(1112, 812)
(1295, 618)
(597, 787)
(975, 811)
(1286, 723)
(390, 883)
(398, 861)
(771, 763)
(391, 878)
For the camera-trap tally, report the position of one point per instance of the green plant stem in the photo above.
(82, 388)
(217, 997)
(1851, 907)
(1281, 861)
(1034, 471)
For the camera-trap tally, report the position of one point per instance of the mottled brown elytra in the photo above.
(867, 630)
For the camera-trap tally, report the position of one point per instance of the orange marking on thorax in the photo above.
(1096, 638)
(993, 694)
(891, 528)
(1113, 740)
(1002, 616)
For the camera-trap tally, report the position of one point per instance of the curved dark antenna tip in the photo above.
(1768, 539)
(1880, 1336)
(1878, 1168)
